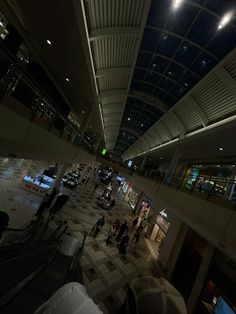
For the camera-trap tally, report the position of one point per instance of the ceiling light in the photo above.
(176, 4)
(67, 79)
(221, 148)
(142, 124)
(49, 42)
(218, 166)
(225, 20)
(82, 111)
(128, 119)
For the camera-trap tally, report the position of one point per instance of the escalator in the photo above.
(34, 269)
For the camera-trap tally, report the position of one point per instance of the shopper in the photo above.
(134, 223)
(97, 227)
(4, 221)
(123, 245)
(122, 231)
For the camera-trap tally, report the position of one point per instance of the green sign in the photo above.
(104, 151)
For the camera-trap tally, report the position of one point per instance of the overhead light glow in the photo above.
(82, 111)
(128, 119)
(67, 79)
(142, 124)
(221, 148)
(49, 42)
(225, 20)
(176, 4)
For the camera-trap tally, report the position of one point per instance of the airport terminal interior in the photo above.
(118, 156)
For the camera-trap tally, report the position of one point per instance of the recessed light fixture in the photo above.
(82, 111)
(225, 20)
(221, 148)
(67, 79)
(49, 42)
(128, 119)
(176, 4)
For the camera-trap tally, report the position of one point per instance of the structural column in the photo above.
(59, 176)
(143, 162)
(200, 278)
(172, 166)
(99, 140)
(85, 124)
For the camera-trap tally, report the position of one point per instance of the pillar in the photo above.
(171, 246)
(86, 122)
(143, 162)
(59, 176)
(172, 166)
(200, 278)
(97, 144)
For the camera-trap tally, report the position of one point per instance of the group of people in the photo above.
(118, 233)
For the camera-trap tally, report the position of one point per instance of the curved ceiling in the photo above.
(179, 47)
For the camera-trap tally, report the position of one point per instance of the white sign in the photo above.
(163, 213)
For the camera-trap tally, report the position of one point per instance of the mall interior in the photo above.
(118, 156)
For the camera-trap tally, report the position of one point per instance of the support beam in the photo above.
(113, 71)
(179, 123)
(114, 31)
(146, 98)
(198, 110)
(227, 79)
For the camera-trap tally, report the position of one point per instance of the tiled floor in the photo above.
(20, 205)
(106, 273)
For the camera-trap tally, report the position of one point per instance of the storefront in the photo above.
(125, 186)
(157, 228)
(133, 197)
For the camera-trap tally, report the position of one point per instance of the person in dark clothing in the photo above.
(123, 229)
(123, 245)
(97, 227)
(134, 223)
(4, 220)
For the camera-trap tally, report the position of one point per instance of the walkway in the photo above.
(106, 273)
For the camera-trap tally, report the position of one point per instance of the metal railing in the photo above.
(208, 187)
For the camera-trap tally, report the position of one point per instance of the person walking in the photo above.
(97, 227)
(123, 229)
(134, 223)
(123, 245)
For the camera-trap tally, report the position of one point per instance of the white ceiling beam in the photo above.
(113, 71)
(227, 79)
(153, 101)
(179, 123)
(198, 110)
(114, 31)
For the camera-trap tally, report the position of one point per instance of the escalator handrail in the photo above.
(8, 296)
(15, 248)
